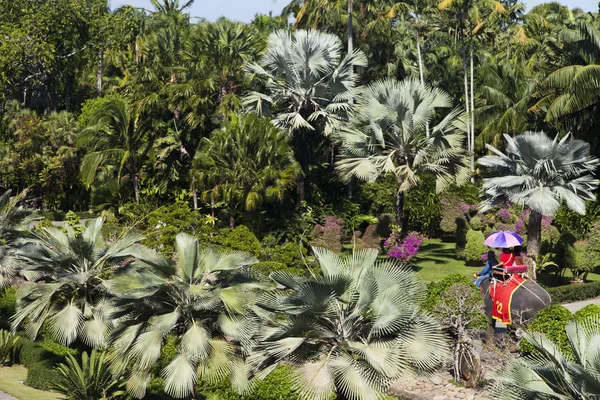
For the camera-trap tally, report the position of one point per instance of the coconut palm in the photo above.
(540, 173)
(305, 79)
(549, 374)
(352, 329)
(387, 133)
(245, 163)
(65, 273)
(194, 301)
(14, 221)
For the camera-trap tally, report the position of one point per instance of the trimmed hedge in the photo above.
(42, 375)
(571, 293)
(588, 311)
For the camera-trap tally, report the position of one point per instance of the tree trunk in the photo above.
(400, 211)
(350, 42)
(300, 191)
(466, 80)
(472, 111)
(232, 221)
(420, 61)
(194, 196)
(134, 181)
(99, 72)
(534, 234)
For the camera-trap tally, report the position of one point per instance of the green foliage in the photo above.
(567, 220)
(591, 310)
(435, 290)
(474, 248)
(329, 235)
(278, 385)
(42, 375)
(8, 346)
(241, 238)
(574, 255)
(551, 321)
(72, 220)
(573, 293)
(461, 230)
(423, 208)
(476, 224)
(89, 379)
(8, 302)
(379, 196)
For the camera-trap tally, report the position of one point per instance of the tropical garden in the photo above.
(293, 207)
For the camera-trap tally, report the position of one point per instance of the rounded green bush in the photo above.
(474, 248)
(551, 321)
(42, 375)
(590, 310)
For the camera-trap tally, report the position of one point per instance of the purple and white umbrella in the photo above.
(503, 239)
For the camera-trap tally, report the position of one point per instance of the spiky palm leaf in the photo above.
(305, 75)
(65, 273)
(353, 329)
(14, 221)
(197, 302)
(549, 374)
(89, 380)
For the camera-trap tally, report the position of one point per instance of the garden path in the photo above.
(4, 396)
(574, 307)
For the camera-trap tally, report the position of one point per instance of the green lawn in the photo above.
(436, 260)
(10, 383)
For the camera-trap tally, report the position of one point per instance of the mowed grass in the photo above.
(10, 383)
(437, 259)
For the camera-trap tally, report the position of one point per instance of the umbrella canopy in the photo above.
(503, 239)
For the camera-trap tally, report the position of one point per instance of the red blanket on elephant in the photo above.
(501, 294)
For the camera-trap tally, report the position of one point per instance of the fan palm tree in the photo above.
(14, 221)
(197, 302)
(245, 163)
(117, 134)
(540, 173)
(66, 272)
(387, 133)
(549, 374)
(305, 81)
(352, 329)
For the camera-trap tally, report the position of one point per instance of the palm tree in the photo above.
(14, 221)
(117, 134)
(549, 374)
(387, 133)
(540, 173)
(171, 6)
(352, 329)
(307, 84)
(195, 301)
(89, 380)
(66, 272)
(244, 163)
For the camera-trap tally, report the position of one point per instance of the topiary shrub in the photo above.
(474, 247)
(370, 239)
(552, 322)
(242, 239)
(462, 227)
(476, 224)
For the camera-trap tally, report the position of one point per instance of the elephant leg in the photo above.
(491, 330)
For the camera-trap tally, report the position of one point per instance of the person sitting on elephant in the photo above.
(506, 258)
(486, 272)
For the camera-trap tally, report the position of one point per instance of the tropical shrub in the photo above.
(476, 224)
(572, 293)
(241, 238)
(370, 239)
(591, 310)
(42, 375)
(405, 249)
(450, 212)
(89, 380)
(423, 208)
(581, 225)
(552, 373)
(551, 321)
(8, 303)
(474, 248)
(300, 326)
(462, 227)
(8, 346)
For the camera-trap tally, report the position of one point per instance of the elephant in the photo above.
(527, 300)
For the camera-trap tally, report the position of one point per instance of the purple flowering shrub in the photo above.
(504, 215)
(404, 250)
(330, 234)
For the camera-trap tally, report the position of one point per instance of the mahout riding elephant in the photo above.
(527, 300)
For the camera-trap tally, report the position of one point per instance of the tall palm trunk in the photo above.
(534, 233)
(350, 42)
(472, 160)
(466, 78)
(400, 211)
(134, 180)
(420, 61)
(99, 72)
